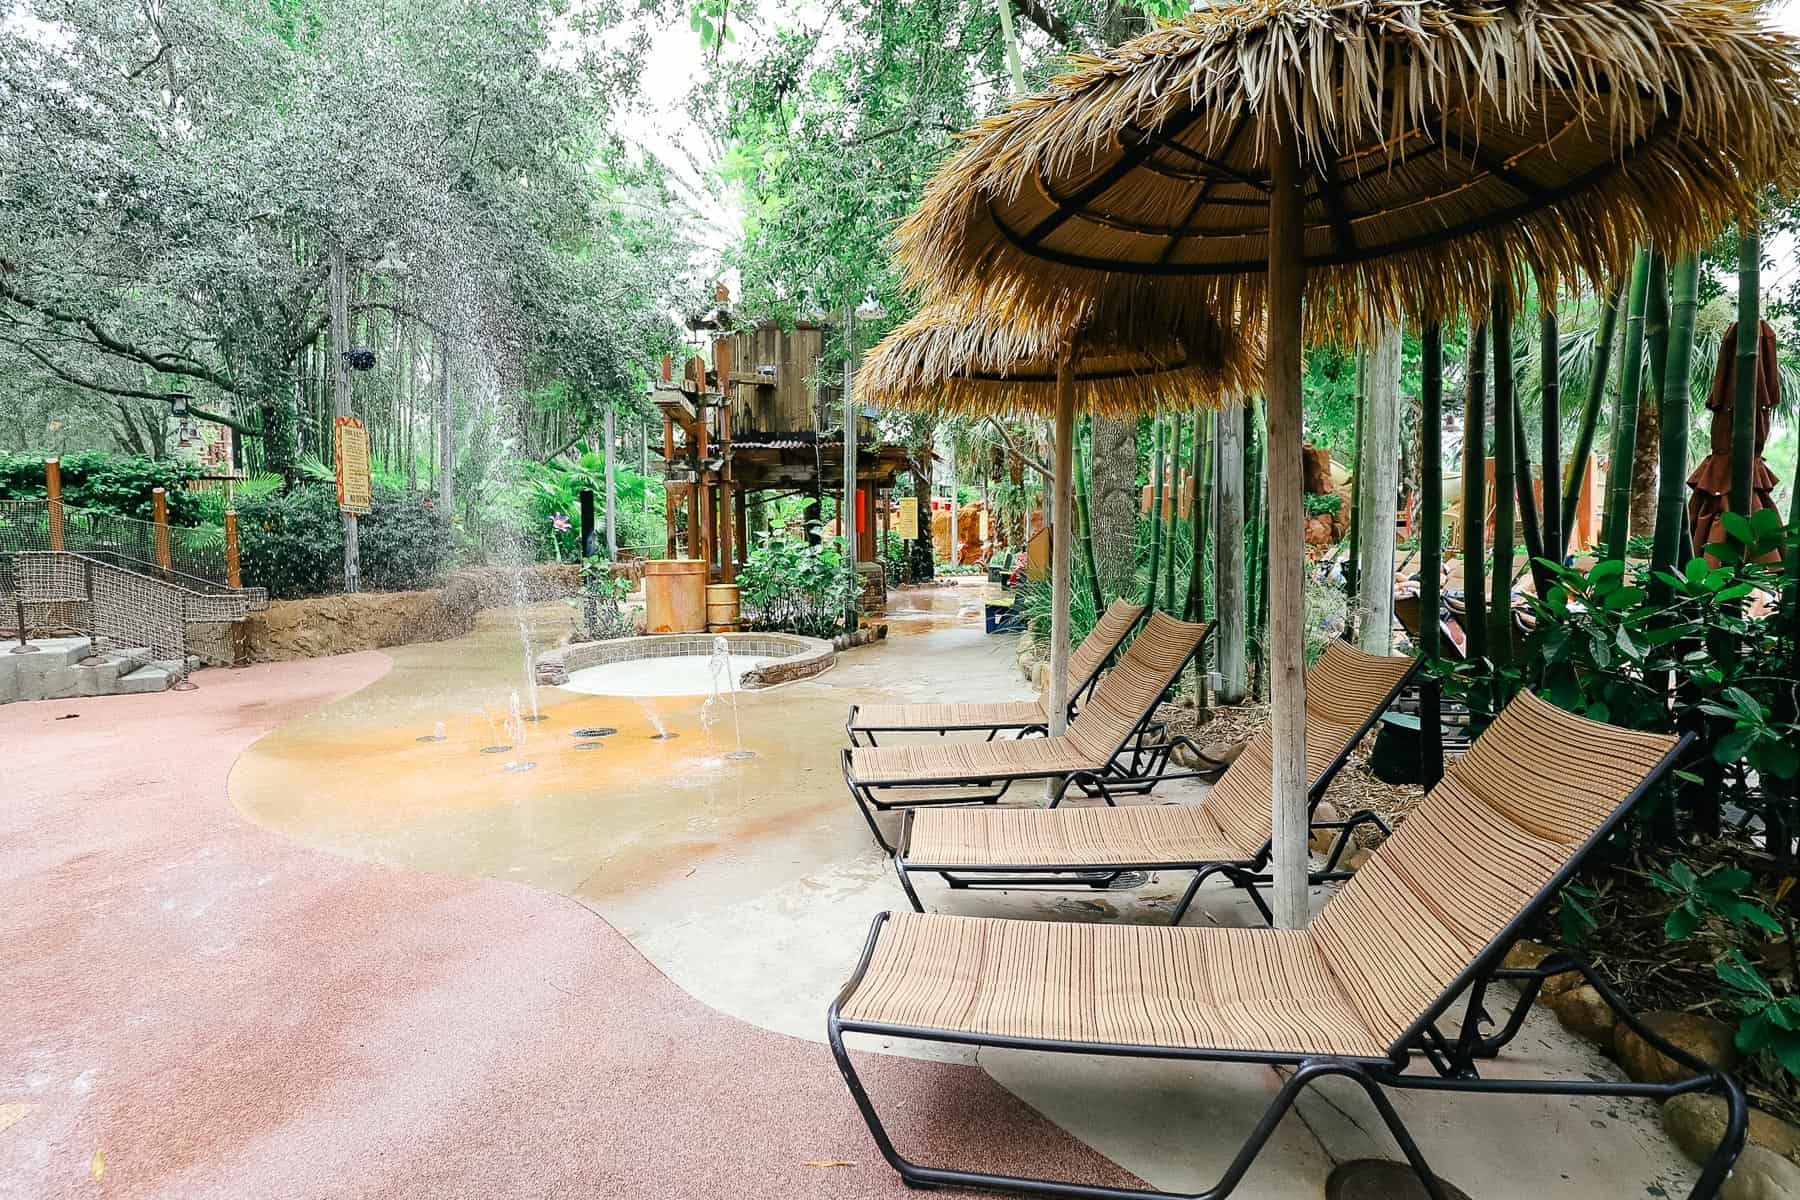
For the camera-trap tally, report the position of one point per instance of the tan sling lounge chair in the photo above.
(1226, 834)
(1007, 716)
(1359, 994)
(1110, 747)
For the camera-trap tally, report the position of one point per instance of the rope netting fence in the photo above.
(121, 582)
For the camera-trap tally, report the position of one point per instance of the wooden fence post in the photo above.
(53, 489)
(233, 573)
(159, 501)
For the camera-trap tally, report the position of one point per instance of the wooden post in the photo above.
(1228, 560)
(612, 488)
(340, 392)
(1378, 483)
(847, 506)
(1286, 534)
(159, 509)
(743, 525)
(234, 575)
(1062, 541)
(53, 490)
(668, 462)
(1431, 547)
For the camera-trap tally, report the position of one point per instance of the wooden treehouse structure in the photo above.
(756, 425)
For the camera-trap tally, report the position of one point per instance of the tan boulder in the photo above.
(1708, 1040)
(1315, 470)
(1321, 839)
(1696, 1123)
(1582, 1010)
(1526, 955)
(1761, 1175)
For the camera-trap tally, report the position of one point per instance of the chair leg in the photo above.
(868, 811)
(906, 884)
(917, 1175)
(1193, 890)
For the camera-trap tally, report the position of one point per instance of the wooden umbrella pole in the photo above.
(1287, 542)
(1062, 538)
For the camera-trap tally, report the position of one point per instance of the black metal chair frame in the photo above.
(1136, 767)
(1249, 874)
(1453, 1064)
(868, 732)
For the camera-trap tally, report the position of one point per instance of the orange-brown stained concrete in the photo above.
(197, 1009)
(599, 824)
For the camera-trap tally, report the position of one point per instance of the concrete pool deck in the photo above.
(351, 993)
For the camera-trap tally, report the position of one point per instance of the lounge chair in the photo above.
(1226, 834)
(1113, 746)
(1359, 994)
(1009, 716)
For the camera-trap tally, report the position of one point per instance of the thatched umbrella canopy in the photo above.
(955, 357)
(1446, 145)
(1377, 157)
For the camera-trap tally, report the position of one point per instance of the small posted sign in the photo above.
(906, 521)
(984, 525)
(354, 490)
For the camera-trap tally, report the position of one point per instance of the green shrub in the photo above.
(552, 502)
(293, 542)
(115, 483)
(794, 586)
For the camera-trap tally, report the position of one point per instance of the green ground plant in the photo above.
(795, 586)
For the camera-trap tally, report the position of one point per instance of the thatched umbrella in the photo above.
(955, 357)
(1379, 157)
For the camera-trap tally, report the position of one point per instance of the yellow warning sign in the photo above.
(906, 521)
(354, 492)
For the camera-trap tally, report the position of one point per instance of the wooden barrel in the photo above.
(722, 607)
(675, 595)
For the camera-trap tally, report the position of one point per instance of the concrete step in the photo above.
(143, 681)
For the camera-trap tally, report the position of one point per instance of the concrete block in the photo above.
(143, 681)
(58, 683)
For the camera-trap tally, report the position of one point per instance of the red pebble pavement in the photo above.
(194, 1007)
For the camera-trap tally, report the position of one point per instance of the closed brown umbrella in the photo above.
(960, 358)
(1711, 480)
(1379, 158)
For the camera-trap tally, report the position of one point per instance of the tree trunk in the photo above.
(446, 433)
(1175, 446)
(1377, 488)
(1550, 444)
(340, 394)
(1115, 505)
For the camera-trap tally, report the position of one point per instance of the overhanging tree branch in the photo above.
(1035, 12)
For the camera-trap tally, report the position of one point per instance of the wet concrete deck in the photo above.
(750, 885)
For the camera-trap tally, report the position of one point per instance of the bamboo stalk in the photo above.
(1474, 497)
(1671, 509)
(1087, 527)
(1590, 410)
(1230, 583)
(1431, 546)
(1743, 400)
(1550, 404)
(1353, 566)
(1174, 503)
(1156, 500)
(1614, 524)
(1500, 640)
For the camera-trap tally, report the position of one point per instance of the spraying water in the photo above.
(515, 731)
(724, 682)
(496, 746)
(650, 715)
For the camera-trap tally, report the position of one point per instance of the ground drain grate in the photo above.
(431, 737)
(495, 749)
(590, 745)
(741, 755)
(594, 731)
(667, 736)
